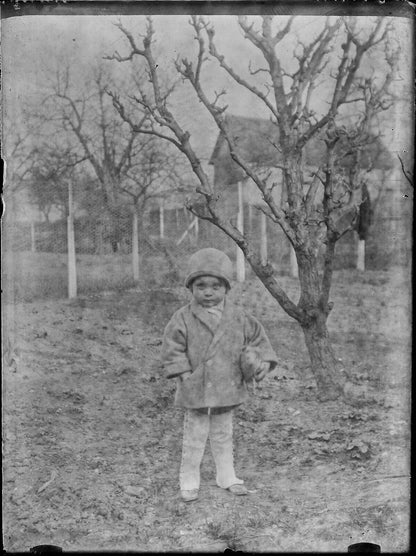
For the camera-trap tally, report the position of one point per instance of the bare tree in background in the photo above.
(98, 134)
(47, 182)
(26, 175)
(18, 155)
(154, 173)
(129, 168)
(322, 203)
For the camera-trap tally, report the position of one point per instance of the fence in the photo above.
(36, 253)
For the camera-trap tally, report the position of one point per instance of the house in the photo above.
(255, 140)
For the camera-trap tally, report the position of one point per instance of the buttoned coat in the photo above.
(192, 342)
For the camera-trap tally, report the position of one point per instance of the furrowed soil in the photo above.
(92, 442)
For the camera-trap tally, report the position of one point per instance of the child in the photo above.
(202, 346)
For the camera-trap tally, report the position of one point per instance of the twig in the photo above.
(225, 541)
(406, 174)
(54, 474)
(383, 478)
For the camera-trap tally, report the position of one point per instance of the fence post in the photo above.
(135, 245)
(263, 239)
(196, 230)
(361, 254)
(240, 261)
(193, 224)
(161, 219)
(72, 268)
(250, 220)
(293, 263)
(32, 237)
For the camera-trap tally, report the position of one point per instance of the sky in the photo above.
(33, 45)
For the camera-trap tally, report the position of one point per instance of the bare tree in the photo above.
(153, 172)
(98, 134)
(18, 155)
(128, 167)
(321, 203)
(47, 181)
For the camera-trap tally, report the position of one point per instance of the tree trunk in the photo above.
(312, 319)
(135, 246)
(323, 363)
(316, 309)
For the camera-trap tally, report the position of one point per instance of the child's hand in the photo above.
(262, 371)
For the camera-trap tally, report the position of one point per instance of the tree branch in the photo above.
(406, 173)
(312, 191)
(214, 52)
(347, 70)
(187, 72)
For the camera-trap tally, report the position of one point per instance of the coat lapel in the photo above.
(227, 321)
(203, 316)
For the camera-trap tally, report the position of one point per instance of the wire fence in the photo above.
(36, 253)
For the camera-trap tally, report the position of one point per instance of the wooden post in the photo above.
(161, 219)
(196, 230)
(293, 262)
(72, 268)
(250, 219)
(135, 245)
(240, 261)
(361, 254)
(32, 237)
(193, 224)
(98, 238)
(263, 239)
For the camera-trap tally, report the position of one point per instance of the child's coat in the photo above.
(192, 343)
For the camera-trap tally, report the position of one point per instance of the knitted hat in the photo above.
(209, 262)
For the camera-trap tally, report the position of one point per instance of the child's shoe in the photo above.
(189, 495)
(238, 490)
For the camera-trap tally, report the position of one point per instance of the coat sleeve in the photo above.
(255, 336)
(174, 357)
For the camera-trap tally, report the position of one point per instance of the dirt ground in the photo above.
(92, 442)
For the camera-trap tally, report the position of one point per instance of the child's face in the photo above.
(208, 290)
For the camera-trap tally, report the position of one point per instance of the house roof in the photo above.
(255, 138)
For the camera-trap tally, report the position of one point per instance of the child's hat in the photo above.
(209, 262)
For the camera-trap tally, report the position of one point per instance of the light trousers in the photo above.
(197, 428)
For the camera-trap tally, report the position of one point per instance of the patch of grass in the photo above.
(258, 520)
(222, 530)
(236, 529)
(379, 518)
(29, 276)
